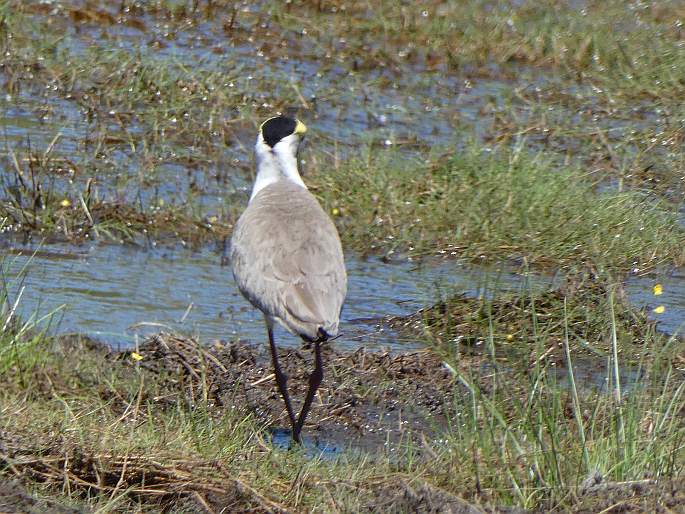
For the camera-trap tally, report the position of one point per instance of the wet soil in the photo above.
(15, 499)
(362, 401)
(368, 401)
(424, 498)
(637, 496)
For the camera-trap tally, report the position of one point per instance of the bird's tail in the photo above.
(322, 335)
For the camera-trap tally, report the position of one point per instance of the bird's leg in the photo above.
(281, 379)
(314, 382)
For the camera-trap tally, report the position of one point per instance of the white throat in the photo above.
(274, 164)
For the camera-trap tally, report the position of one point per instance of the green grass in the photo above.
(579, 170)
(541, 441)
(523, 438)
(629, 49)
(531, 451)
(579, 315)
(499, 203)
(151, 111)
(88, 427)
(20, 337)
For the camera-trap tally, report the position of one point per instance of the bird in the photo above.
(286, 255)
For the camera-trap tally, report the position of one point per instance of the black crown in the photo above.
(275, 129)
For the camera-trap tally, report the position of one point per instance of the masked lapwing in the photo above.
(286, 255)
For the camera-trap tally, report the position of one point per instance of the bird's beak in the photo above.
(300, 128)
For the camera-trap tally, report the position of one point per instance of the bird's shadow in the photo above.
(313, 447)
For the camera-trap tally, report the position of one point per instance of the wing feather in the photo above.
(287, 260)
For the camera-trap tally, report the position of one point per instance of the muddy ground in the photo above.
(361, 402)
(368, 401)
(15, 499)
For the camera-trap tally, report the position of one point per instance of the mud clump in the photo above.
(366, 398)
(15, 499)
(424, 498)
(633, 496)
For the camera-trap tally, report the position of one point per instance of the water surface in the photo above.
(640, 291)
(119, 294)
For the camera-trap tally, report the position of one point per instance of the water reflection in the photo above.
(640, 291)
(118, 293)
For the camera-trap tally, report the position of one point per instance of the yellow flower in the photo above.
(658, 289)
(335, 211)
(136, 356)
(65, 203)
(660, 309)
(510, 337)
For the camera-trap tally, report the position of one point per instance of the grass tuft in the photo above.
(499, 204)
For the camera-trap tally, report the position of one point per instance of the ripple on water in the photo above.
(120, 294)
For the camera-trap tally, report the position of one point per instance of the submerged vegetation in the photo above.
(544, 134)
(34, 205)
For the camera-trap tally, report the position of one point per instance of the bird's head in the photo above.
(276, 151)
(280, 135)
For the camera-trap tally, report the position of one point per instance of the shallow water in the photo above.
(640, 291)
(119, 294)
(313, 447)
(344, 108)
(122, 293)
(593, 375)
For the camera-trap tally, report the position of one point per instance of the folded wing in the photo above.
(287, 260)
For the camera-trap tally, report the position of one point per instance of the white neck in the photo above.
(274, 164)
